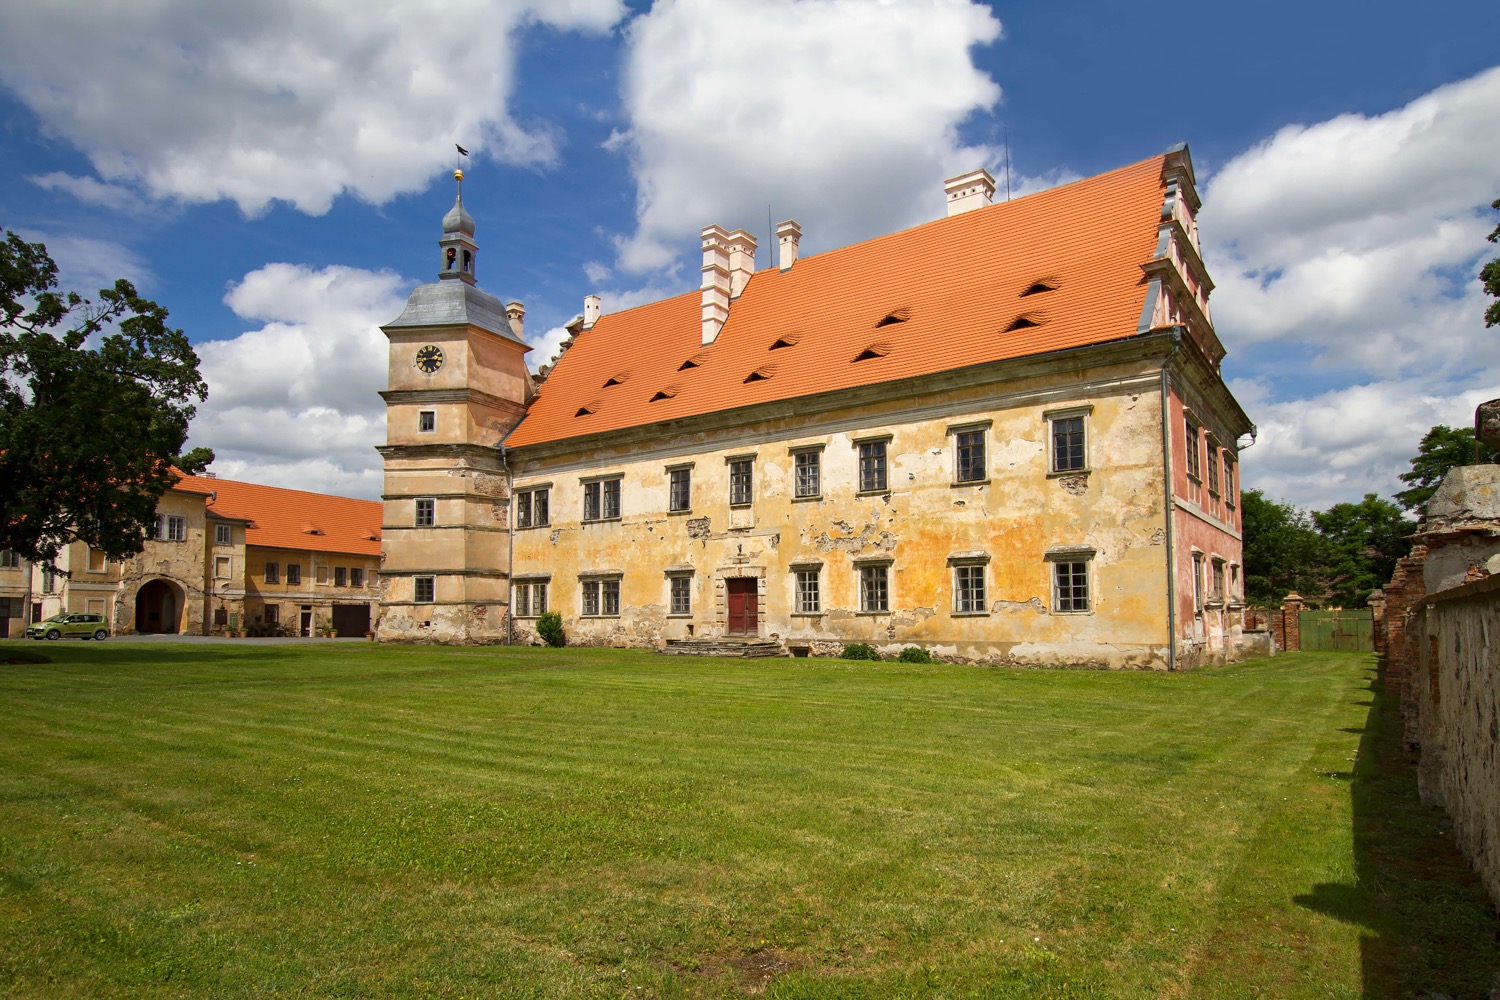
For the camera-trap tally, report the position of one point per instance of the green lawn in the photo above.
(354, 820)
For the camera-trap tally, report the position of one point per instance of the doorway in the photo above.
(304, 626)
(743, 606)
(157, 608)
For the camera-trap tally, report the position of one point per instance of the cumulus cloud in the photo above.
(1350, 247)
(844, 114)
(86, 264)
(294, 402)
(261, 100)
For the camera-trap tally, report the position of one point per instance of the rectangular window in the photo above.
(1194, 450)
(741, 481)
(424, 589)
(273, 614)
(223, 534)
(426, 421)
(321, 574)
(872, 470)
(601, 598)
(1216, 582)
(340, 577)
(874, 588)
(1213, 470)
(1070, 586)
(426, 515)
(680, 494)
(172, 528)
(1198, 581)
(221, 567)
(356, 577)
(293, 573)
(968, 589)
(273, 572)
(809, 598)
(98, 562)
(807, 466)
(1068, 444)
(601, 499)
(49, 579)
(682, 595)
(1228, 479)
(531, 599)
(531, 508)
(968, 456)
(9, 559)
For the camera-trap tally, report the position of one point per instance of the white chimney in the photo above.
(966, 192)
(715, 281)
(741, 261)
(789, 235)
(591, 306)
(516, 313)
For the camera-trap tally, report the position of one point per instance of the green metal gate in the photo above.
(1347, 631)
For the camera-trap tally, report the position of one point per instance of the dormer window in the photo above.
(1039, 286)
(789, 340)
(873, 351)
(666, 393)
(1025, 321)
(615, 380)
(895, 316)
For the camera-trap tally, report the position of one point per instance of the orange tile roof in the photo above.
(958, 282)
(292, 519)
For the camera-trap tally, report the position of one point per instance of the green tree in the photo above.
(1362, 543)
(195, 461)
(95, 398)
(1490, 275)
(1442, 449)
(1282, 550)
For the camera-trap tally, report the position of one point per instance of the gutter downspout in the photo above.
(1166, 476)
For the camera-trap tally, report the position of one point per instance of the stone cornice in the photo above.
(451, 395)
(486, 454)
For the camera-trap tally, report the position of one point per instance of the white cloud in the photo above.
(294, 403)
(87, 189)
(86, 264)
(260, 100)
(1346, 252)
(843, 114)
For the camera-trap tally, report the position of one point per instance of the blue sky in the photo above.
(273, 171)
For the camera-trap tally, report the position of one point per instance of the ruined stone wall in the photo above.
(1454, 715)
(1013, 523)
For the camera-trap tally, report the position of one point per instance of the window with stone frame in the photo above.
(273, 573)
(1198, 582)
(1069, 433)
(807, 473)
(532, 507)
(426, 512)
(424, 589)
(1217, 574)
(98, 561)
(271, 614)
(1194, 449)
(680, 489)
(741, 481)
(601, 597)
(426, 421)
(223, 534)
(356, 576)
(530, 598)
(10, 559)
(872, 465)
(968, 455)
(875, 587)
(809, 590)
(601, 499)
(172, 528)
(293, 573)
(340, 576)
(1212, 468)
(1070, 586)
(1229, 494)
(969, 587)
(221, 567)
(680, 597)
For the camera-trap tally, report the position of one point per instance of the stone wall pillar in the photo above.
(1291, 621)
(1377, 611)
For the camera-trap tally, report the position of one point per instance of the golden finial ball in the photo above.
(458, 175)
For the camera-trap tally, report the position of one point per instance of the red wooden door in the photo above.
(744, 611)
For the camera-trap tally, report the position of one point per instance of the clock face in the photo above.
(429, 358)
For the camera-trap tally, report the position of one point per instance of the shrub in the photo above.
(915, 654)
(860, 651)
(549, 627)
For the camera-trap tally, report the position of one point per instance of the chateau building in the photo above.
(225, 557)
(1002, 435)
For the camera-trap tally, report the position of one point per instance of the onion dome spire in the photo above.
(457, 242)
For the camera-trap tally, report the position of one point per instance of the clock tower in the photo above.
(456, 385)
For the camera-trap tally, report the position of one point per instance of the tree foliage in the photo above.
(1442, 450)
(1490, 275)
(95, 399)
(1362, 542)
(1283, 551)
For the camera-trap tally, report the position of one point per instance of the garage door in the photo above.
(351, 619)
